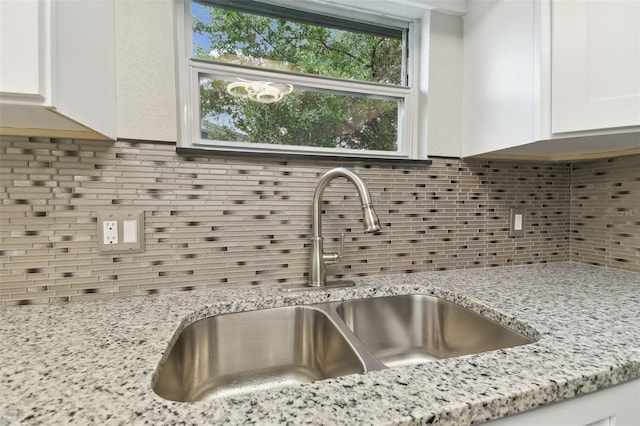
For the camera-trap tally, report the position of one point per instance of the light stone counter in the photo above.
(92, 362)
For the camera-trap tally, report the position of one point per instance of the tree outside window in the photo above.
(306, 116)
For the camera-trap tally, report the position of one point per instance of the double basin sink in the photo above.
(231, 354)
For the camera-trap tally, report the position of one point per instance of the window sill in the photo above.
(199, 152)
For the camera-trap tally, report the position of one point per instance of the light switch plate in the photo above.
(121, 232)
(517, 221)
(130, 231)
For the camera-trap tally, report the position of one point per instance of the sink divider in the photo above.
(370, 362)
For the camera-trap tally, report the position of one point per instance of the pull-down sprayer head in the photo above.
(370, 219)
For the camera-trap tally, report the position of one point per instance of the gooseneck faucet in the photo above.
(319, 259)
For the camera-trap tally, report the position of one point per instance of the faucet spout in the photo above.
(319, 259)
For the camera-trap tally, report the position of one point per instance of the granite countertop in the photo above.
(92, 362)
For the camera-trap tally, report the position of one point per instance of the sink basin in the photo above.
(230, 354)
(413, 329)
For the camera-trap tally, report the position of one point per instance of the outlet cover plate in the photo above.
(121, 245)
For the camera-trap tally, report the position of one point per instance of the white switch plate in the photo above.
(129, 231)
(120, 231)
(516, 221)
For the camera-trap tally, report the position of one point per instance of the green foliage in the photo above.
(307, 118)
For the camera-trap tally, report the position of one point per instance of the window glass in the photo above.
(240, 110)
(238, 37)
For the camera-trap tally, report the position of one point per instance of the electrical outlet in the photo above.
(120, 231)
(110, 232)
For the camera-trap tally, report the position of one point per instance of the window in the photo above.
(264, 78)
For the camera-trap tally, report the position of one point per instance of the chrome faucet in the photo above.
(319, 259)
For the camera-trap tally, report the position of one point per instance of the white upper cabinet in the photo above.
(551, 79)
(57, 68)
(596, 65)
(23, 49)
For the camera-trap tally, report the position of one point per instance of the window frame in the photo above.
(189, 68)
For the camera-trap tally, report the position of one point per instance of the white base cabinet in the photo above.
(615, 406)
(564, 72)
(57, 68)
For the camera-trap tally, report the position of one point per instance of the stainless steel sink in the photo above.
(230, 354)
(413, 329)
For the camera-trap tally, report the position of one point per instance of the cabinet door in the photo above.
(596, 64)
(22, 48)
(499, 76)
(615, 406)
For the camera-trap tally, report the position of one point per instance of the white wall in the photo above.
(442, 64)
(145, 70)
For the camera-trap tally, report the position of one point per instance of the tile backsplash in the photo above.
(230, 221)
(605, 212)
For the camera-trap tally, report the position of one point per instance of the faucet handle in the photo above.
(335, 257)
